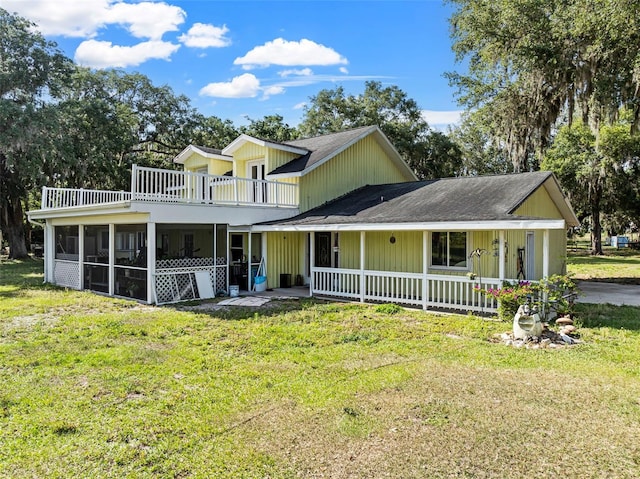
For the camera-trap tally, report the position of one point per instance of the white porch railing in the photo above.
(152, 184)
(167, 186)
(53, 198)
(417, 289)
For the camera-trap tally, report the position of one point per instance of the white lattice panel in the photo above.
(174, 286)
(180, 263)
(67, 274)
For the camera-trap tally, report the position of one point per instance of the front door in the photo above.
(322, 250)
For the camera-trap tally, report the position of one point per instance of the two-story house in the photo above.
(341, 214)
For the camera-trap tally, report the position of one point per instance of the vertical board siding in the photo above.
(276, 158)
(284, 251)
(405, 255)
(363, 163)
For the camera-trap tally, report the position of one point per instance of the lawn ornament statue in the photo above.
(526, 322)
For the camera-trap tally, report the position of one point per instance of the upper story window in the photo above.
(449, 249)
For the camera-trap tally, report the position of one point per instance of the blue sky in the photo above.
(239, 59)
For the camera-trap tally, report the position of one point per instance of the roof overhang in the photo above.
(562, 202)
(193, 149)
(239, 142)
(101, 209)
(516, 224)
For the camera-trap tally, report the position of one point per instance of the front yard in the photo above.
(97, 387)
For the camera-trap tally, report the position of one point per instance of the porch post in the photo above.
(545, 254)
(49, 252)
(249, 260)
(81, 256)
(312, 260)
(263, 251)
(151, 261)
(425, 267)
(501, 253)
(362, 258)
(112, 257)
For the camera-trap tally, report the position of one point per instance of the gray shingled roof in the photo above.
(319, 148)
(484, 198)
(206, 149)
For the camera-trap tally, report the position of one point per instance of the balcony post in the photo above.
(134, 182)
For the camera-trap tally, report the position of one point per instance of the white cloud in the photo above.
(300, 106)
(441, 118)
(70, 18)
(302, 72)
(97, 54)
(202, 35)
(243, 86)
(83, 18)
(285, 53)
(344, 70)
(271, 91)
(146, 19)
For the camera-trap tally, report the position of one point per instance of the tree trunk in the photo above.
(12, 224)
(596, 227)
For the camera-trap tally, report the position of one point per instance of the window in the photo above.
(449, 249)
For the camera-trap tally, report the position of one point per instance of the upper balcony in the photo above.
(179, 187)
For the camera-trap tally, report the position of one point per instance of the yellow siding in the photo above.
(248, 152)
(540, 205)
(276, 158)
(363, 163)
(285, 255)
(403, 255)
(214, 167)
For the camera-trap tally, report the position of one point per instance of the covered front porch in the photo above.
(443, 267)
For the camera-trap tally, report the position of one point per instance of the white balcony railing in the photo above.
(431, 290)
(167, 186)
(152, 184)
(53, 198)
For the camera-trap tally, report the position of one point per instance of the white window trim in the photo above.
(450, 268)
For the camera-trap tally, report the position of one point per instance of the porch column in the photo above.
(312, 260)
(49, 251)
(425, 267)
(112, 258)
(263, 251)
(501, 253)
(362, 258)
(81, 256)
(151, 261)
(545, 254)
(249, 260)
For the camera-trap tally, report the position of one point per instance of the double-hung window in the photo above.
(449, 249)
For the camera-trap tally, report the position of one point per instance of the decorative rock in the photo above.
(565, 320)
(568, 329)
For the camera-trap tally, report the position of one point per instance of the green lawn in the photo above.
(96, 387)
(619, 266)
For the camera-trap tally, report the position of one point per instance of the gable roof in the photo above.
(462, 199)
(321, 149)
(243, 139)
(204, 151)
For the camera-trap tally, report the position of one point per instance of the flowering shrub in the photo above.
(554, 293)
(510, 296)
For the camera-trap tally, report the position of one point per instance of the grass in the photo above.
(96, 387)
(617, 266)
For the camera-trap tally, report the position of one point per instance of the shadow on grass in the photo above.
(608, 316)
